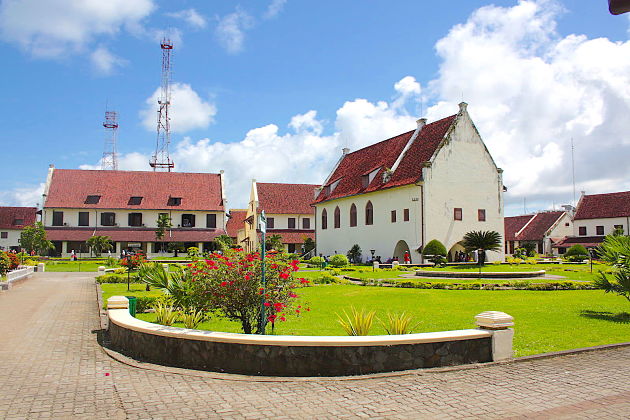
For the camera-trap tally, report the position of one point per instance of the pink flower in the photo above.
(304, 281)
(267, 304)
(224, 283)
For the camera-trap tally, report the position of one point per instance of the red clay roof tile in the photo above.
(276, 198)
(598, 206)
(10, 215)
(198, 191)
(235, 222)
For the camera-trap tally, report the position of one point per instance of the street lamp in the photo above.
(372, 251)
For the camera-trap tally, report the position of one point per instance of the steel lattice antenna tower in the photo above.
(161, 159)
(110, 156)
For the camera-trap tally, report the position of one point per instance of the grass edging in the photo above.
(514, 285)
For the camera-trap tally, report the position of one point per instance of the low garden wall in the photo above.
(274, 355)
(484, 274)
(16, 276)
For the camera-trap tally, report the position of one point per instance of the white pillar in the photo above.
(498, 324)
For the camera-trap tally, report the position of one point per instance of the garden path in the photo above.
(53, 367)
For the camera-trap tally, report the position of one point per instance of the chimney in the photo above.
(462, 106)
(51, 166)
(421, 123)
(345, 151)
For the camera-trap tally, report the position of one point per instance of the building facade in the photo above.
(288, 211)
(125, 206)
(12, 221)
(596, 216)
(545, 229)
(435, 182)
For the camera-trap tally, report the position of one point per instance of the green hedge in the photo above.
(116, 278)
(516, 285)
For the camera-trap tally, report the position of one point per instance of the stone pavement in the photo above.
(51, 366)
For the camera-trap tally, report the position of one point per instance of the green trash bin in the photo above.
(132, 305)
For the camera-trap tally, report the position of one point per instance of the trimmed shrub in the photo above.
(325, 278)
(145, 302)
(434, 247)
(339, 260)
(116, 278)
(576, 253)
(315, 262)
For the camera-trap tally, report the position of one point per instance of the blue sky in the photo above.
(273, 89)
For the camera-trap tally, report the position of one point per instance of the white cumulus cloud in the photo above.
(49, 28)
(188, 110)
(23, 196)
(230, 30)
(104, 62)
(274, 9)
(190, 16)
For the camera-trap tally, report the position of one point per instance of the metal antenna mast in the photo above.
(573, 170)
(161, 159)
(110, 155)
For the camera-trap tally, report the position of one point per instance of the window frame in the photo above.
(85, 214)
(271, 223)
(92, 199)
(337, 218)
(211, 220)
(481, 215)
(599, 229)
(135, 201)
(393, 216)
(369, 213)
(582, 231)
(133, 217)
(458, 214)
(406, 215)
(324, 219)
(353, 215)
(291, 221)
(57, 218)
(306, 223)
(110, 214)
(174, 201)
(4, 235)
(190, 217)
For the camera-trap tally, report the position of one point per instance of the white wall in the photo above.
(463, 175)
(609, 225)
(383, 235)
(281, 221)
(13, 236)
(149, 217)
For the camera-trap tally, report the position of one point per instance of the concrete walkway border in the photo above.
(16, 276)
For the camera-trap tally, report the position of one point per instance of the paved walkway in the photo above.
(52, 367)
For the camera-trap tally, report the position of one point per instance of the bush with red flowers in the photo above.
(134, 261)
(232, 285)
(14, 260)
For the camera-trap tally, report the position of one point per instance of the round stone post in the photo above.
(117, 302)
(499, 325)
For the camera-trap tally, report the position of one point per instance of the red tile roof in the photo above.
(70, 187)
(513, 224)
(292, 236)
(598, 206)
(10, 215)
(132, 235)
(285, 198)
(586, 241)
(539, 225)
(383, 155)
(235, 222)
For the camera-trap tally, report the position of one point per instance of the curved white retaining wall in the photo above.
(306, 355)
(16, 276)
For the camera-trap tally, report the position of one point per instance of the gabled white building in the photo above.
(435, 182)
(12, 221)
(544, 229)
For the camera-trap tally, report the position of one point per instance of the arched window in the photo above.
(369, 213)
(324, 219)
(337, 218)
(353, 215)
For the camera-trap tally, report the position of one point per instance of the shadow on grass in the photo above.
(621, 317)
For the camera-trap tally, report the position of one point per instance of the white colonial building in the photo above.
(12, 221)
(125, 206)
(288, 211)
(544, 229)
(435, 182)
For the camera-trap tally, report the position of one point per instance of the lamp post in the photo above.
(372, 251)
(263, 231)
(591, 253)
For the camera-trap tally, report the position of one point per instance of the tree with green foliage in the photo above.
(5, 263)
(33, 238)
(163, 223)
(435, 251)
(224, 242)
(482, 241)
(274, 242)
(615, 250)
(98, 244)
(339, 260)
(576, 253)
(354, 254)
(309, 245)
(175, 247)
(530, 248)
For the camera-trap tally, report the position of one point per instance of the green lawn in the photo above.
(545, 321)
(73, 266)
(120, 289)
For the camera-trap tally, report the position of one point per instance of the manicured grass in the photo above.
(120, 289)
(545, 321)
(73, 266)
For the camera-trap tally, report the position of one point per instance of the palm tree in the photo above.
(99, 244)
(482, 241)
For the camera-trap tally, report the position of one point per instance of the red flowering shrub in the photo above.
(14, 260)
(133, 262)
(232, 285)
(5, 263)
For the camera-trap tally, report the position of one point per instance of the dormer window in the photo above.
(135, 201)
(366, 179)
(18, 221)
(331, 187)
(174, 201)
(92, 199)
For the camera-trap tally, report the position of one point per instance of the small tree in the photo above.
(33, 238)
(482, 241)
(163, 223)
(274, 242)
(224, 242)
(615, 250)
(99, 244)
(132, 263)
(5, 263)
(576, 253)
(435, 251)
(309, 245)
(176, 247)
(354, 254)
(530, 248)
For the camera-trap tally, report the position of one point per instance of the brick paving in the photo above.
(51, 366)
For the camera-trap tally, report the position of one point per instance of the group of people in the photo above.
(461, 256)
